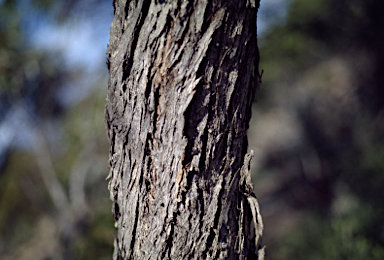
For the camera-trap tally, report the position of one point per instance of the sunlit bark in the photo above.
(182, 80)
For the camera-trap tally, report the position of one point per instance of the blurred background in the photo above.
(54, 202)
(317, 129)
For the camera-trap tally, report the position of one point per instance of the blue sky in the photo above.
(83, 40)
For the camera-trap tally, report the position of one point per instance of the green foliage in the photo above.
(322, 99)
(344, 236)
(72, 146)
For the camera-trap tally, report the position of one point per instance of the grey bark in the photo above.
(182, 80)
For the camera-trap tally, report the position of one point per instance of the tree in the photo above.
(183, 75)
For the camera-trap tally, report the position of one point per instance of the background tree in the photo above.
(183, 75)
(53, 151)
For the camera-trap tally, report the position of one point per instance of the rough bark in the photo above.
(182, 80)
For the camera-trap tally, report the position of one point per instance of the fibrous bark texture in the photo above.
(182, 79)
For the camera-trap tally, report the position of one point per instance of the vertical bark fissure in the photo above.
(134, 230)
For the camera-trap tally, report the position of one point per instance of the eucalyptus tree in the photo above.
(182, 80)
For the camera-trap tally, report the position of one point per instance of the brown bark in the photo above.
(182, 79)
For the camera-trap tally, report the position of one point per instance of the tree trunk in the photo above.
(182, 80)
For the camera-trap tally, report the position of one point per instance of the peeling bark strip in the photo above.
(182, 79)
